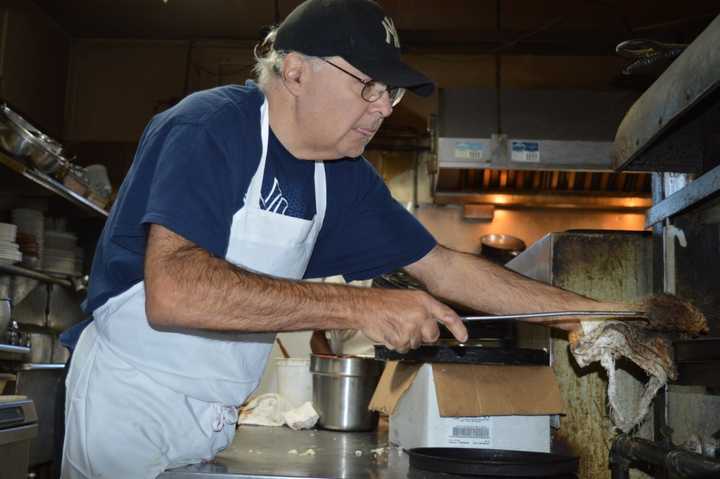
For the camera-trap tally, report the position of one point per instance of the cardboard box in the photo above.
(464, 405)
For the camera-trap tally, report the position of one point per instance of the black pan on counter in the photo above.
(492, 462)
(467, 355)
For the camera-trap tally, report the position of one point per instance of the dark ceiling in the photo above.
(591, 27)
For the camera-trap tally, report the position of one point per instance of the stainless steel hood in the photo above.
(569, 130)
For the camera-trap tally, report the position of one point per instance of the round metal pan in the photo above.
(466, 355)
(492, 462)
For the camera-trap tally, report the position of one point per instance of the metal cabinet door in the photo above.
(63, 309)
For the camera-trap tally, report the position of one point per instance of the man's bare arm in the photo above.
(186, 287)
(485, 286)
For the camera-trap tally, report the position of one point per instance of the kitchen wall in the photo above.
(116, 86)
(34, 54)
(448, 226)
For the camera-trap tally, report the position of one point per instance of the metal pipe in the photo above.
(662, 432)
(620, 469)
(626, 450)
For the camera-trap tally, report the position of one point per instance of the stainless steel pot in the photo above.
(342, 389)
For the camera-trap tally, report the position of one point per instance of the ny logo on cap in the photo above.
(390, 32)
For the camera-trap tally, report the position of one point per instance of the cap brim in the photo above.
(397, 74)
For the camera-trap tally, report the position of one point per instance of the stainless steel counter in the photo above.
(279, 452)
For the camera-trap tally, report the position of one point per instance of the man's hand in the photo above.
(403, 320)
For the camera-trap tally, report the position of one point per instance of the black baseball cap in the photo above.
(356, 30)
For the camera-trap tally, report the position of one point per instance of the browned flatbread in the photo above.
(671, 314)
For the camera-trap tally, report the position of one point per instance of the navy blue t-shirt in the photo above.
(190, 174)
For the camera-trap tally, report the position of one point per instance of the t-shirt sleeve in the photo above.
(370, 233)
(191, 192)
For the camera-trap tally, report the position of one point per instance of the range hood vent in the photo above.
(567, 130)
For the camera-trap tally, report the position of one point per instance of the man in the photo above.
(234, 195)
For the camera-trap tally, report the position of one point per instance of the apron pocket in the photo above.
(273, 229)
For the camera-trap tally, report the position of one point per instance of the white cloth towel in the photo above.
(276, 410)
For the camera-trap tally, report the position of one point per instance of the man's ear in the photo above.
(295, 73)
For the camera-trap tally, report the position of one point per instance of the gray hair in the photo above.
(269, 62)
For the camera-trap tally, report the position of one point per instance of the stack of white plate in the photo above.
(32, 224)
(60, 240)
(59, 261)
(60, 252)
(9, 250)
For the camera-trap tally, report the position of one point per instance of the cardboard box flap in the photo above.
(394, 382)
(484, 390)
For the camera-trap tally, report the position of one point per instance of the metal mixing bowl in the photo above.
(24, 141)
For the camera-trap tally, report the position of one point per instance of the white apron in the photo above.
(208, 373)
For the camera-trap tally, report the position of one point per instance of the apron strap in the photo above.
(252, 196)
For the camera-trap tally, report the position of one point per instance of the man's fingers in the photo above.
(453, 322)
(430, 332)
(403, 348)
(411, 320)
(450, 319)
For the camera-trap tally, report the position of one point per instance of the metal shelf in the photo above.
(42, 366)
(34, 274)
(50, 184)
(15, 353)
(702, 189)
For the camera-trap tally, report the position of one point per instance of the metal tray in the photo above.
(492, 462)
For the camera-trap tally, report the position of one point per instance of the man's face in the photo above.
(337, 121)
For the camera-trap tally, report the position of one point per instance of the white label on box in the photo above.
(525, 151)
(470, 431)
(470, 151)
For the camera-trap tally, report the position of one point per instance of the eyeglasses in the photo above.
(373, 90)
